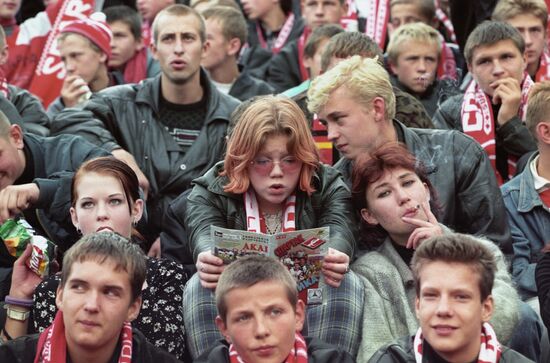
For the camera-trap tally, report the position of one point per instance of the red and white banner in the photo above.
(34, 62)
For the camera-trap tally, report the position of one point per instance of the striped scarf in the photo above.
(298, 354)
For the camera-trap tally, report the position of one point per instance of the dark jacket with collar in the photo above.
(127, 117)
(23, 350)
(461, 173)
(317, 352)
(246, 86)
(54, 161)
(402, 351)
(329, 206)
(512, 138)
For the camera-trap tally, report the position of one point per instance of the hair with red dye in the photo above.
(259, 120)
(370, 167)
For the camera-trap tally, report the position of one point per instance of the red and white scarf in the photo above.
(301, 46)
(377, 17)
(444, 19)
(298, 354)
(478, 121)
(543, 73)
(52, 346)
(254, 223)
(489, 352)
(282, 38)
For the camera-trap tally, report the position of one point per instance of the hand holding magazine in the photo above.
(302, 252)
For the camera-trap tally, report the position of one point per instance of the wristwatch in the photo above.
(16, 314)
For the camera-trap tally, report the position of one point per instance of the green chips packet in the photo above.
(16, 236)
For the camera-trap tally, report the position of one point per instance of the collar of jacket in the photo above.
(528, 197)
(149, 92)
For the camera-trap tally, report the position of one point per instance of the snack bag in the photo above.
(43, 253)
(17, 234)
(15, 237)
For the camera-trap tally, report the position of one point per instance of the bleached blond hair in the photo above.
(417, 32)
(365, 78)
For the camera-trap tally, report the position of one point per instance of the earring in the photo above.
(78, 230)
(135, 222)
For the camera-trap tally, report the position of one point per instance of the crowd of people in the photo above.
(415, 132)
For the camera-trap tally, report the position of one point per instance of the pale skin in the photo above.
(73, 88)
(14, 199)
(425, 229)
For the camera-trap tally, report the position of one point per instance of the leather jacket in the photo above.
(126, 117)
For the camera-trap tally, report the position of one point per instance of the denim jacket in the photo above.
(530, 226)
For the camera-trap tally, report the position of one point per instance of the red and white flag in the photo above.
(34, 62)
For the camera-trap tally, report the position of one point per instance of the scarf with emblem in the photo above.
(298, 354)
(254, 223)
(52, 346)
(489, 352)
(478, 121)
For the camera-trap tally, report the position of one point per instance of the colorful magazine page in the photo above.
(302, 252)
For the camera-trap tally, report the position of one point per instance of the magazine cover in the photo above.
(302, 252)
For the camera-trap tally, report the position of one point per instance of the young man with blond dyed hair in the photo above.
(356, 102)
(530, 18)
(413, 56)
(527, 198)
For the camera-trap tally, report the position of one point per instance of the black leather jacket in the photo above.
(460, 172)
(127, 116)
(401, 351)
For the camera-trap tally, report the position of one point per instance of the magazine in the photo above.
(302, 252)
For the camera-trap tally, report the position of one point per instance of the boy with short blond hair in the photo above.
(413, 57)
(530, 18)
(402, 12)
(261, 317)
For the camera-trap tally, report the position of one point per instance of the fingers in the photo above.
(335, 256)
(335, 266)
(332, 278)
(428, 212)
(24, 256)
(209, 274)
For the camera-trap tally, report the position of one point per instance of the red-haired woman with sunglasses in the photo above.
(270, 181)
